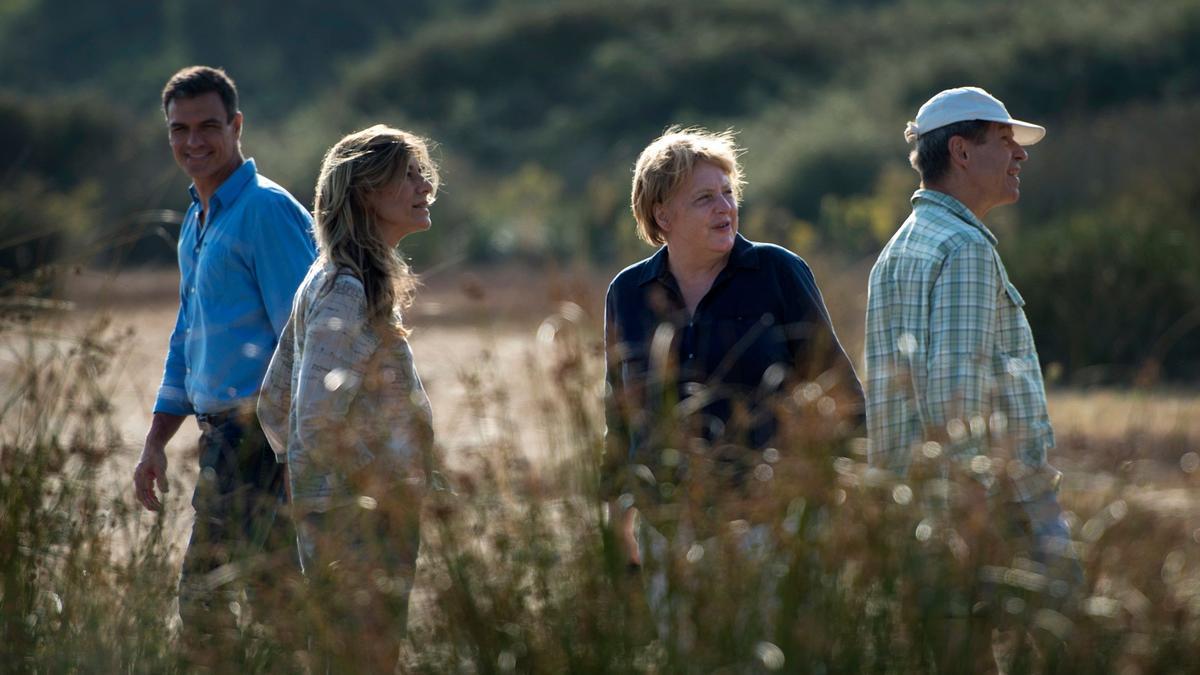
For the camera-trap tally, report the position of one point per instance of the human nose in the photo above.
(425, 186)
(726, 203)
(1021, 154)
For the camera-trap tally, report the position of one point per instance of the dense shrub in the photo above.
(1114, 294)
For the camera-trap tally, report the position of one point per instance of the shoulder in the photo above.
(777, 265)
(633, 276)
(327, 288)
(344, 284)
(966, 244)
(934, 234)
(775, 257)
(265, 196)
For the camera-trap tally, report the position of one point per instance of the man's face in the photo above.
(203, 139)
(993, 167)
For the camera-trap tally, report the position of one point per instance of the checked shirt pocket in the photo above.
(1014, 336)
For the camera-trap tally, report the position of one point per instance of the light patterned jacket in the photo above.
(341, 395)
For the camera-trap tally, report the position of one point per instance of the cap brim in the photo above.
(1025, 133)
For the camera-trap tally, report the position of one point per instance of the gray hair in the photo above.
(931, 157)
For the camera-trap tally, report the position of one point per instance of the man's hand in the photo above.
(152, 468)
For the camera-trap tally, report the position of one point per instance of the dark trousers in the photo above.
(240, 539)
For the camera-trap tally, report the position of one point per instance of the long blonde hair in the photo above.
(345, 223)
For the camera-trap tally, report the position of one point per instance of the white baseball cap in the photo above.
(962, 104)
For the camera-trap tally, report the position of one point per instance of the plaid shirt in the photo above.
(949, 353)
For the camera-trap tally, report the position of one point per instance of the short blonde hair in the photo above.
(669, 161)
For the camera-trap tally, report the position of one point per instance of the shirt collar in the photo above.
(233, 185)
(954, 206)
(742, 255)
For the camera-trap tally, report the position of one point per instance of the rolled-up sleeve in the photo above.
(172, 393)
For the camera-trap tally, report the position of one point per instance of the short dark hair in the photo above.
(931, 158)
(194, 81)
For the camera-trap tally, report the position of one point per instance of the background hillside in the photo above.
(540, 109)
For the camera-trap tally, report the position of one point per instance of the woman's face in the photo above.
(402, 207)
(701, 217)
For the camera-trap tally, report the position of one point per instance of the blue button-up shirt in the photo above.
(238, 273)
(761, 330)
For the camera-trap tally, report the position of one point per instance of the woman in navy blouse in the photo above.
(707, 341)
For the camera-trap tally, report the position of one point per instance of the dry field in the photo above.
(490, 322)
(487, 345)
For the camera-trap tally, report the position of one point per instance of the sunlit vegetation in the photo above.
(519, 571)
(540, 109)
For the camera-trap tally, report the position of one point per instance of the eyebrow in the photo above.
(203, 121)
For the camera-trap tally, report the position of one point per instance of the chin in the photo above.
(724, 246)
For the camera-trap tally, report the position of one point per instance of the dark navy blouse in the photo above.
(761, 330)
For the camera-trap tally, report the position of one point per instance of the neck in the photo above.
(206, 187)
(690, 266)
(956, 186)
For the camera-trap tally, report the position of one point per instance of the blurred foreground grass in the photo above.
(518, 570)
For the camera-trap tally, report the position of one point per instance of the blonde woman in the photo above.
(342, 404)
(703, 340)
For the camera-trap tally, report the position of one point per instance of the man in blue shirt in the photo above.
(244, 248)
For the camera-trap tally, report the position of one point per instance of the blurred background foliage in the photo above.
(540, 109)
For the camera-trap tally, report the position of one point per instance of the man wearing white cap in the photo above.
(953, 375)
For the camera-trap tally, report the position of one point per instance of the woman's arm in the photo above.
(338, 345)
(275, 397)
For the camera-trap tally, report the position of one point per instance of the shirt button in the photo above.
(691, 356)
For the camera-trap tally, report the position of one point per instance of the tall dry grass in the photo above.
(519, 569)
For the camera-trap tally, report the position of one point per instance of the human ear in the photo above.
(958, 149)
(237, 124)
(660, 218)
